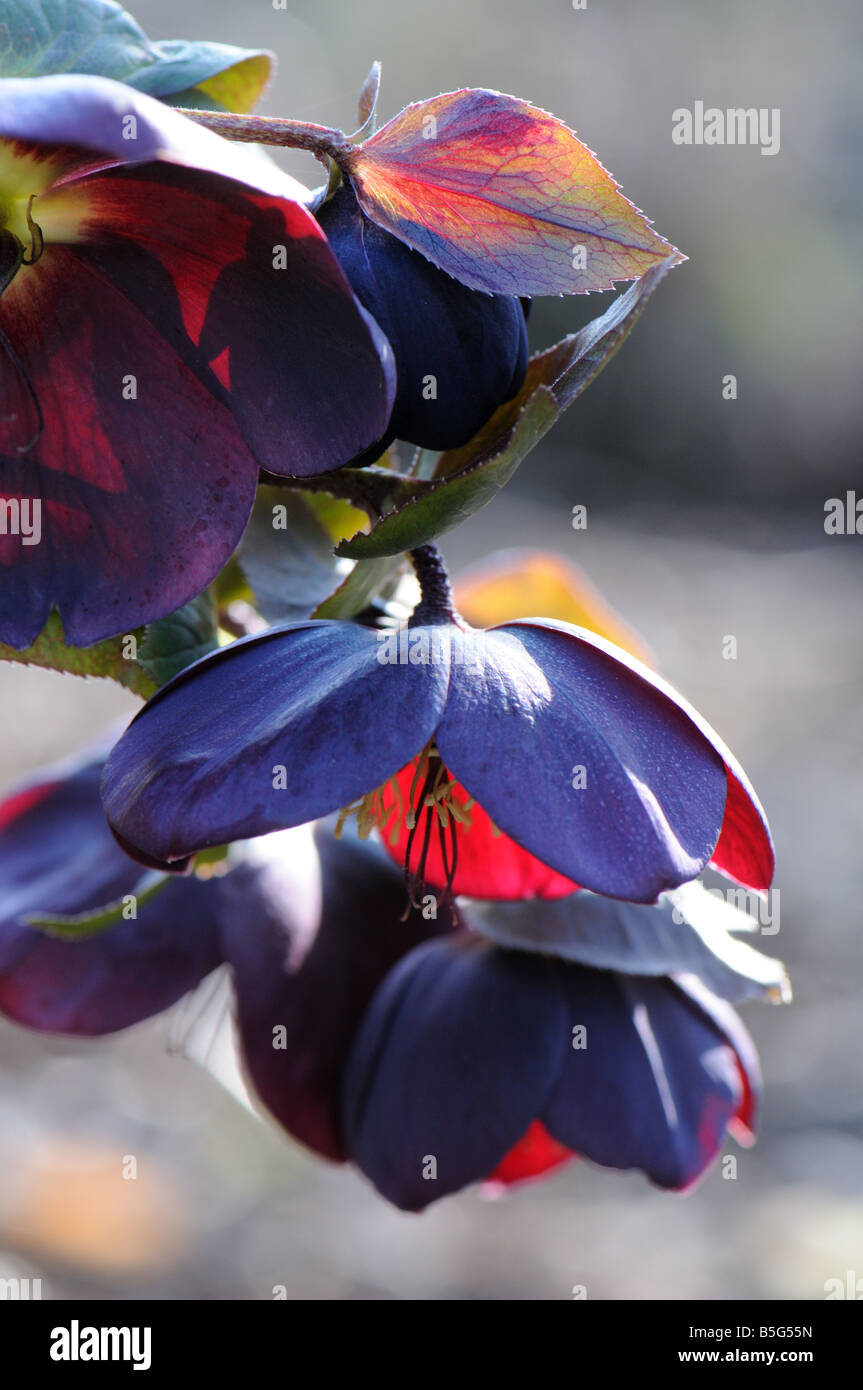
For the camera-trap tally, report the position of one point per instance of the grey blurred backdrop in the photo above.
(706, 519)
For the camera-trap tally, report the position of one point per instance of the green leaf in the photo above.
(105, 659)
(81, 925)
(287, 556)
(367, 580)
(467, 479)
(173, 643)
(451, 501)
(95, 36)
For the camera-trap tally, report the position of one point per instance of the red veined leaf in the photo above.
(503, 196)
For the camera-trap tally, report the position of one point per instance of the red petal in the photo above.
(490, 864)
(744, 850)
(19, 803)
(536, 1153)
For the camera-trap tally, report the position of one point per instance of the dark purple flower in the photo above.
(385, 1039)
(59, 859)
(460, 353)
(465, 1048)
(571, 748)
(171, 318)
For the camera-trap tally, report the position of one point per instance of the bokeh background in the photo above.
(706, 519)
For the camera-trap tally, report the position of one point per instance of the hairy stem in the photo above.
(320, 140)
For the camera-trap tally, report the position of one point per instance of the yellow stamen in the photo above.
(37, 240)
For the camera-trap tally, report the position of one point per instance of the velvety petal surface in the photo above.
(307, 374)
(657, 1084)
(584, 757)
(140, 501)
(57, 857)
(272, 731)
(311, 925)
(455, 1057)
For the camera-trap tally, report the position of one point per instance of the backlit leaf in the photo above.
(105, 659)
(502, 196)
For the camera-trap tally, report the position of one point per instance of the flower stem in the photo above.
(320, 140)
(436, 602)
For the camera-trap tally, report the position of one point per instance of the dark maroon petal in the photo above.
(272, 731)
(307, 374)
(186, 323)
(311, 927)
(454, 1059)
(58, 858)
(141, 500)
(657, 1084)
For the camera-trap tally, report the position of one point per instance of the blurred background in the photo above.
(705, 519)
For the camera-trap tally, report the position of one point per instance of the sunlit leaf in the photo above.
(105, 659)
(452, 500)
(80, 925)
(367, 580)
(502, 196)
(173, 643)
(95, 36)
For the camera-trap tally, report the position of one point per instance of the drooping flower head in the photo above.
(171, 319)
(415, 1047)
(573, 752)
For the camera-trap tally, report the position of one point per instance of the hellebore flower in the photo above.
(386, 1040)
(171, 318)
(59, 859)
(581, 756)
(467, 1050)
(460, 353)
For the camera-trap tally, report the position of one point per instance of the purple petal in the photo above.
(550, 707)
(657, 1084)
(454, 1060)
(310, 931)
(57, 857)
(94, 113)
(271, 732)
